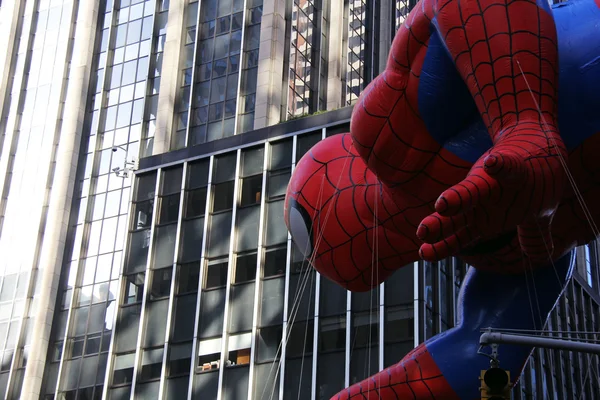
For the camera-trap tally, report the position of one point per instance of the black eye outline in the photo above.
(308, 224)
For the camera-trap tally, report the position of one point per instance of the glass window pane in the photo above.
(242, 308)
(333, 334)
(205, 51)
(281, 154)
(232, 84)
(129, 71)
(134, 288)
(220, 232)
(268, 343)
(113, 201)
(305, 143)
(161, 283)
(216, 273)
(133, 31)
(404, 278)
(169, 209)
(217, 93)
(300, 341)
(124, 114)
(138, 251)
(147, 28)
(195, 205)
(157, 318)
(399, 324)
(185, 308)
(275, 260)
(251, 190)
(142, 214)
(164, 250)
(247, 228)
(335, 301)
(276, 228)
(236, 382)
(212, 306)
(123, 369)
(197, 174)
(224, 169)
(189, 275)
(277, 183)
(272, 302)
(245, 268)
(221, 46)
(191, 240)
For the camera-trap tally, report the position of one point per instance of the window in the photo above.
(180, 359)
(142, 214)
(209, 352)
(143, 204)
(300, 341)
(252, 166)
(216, 273)
(251, 190)
(275, 260)
(189, 275)
(223, 196)
(272, 301)
(161, 283)
(305, 143)
(365, 329)
(399, 324)
(333, 333)
(134, 288)
(239, 349)
(151, 364)
(123, 370)
(245, 267)
(168, 209)
(183, 322)
(192, 234)
(77, 347)
(195, 203)
(269, 339)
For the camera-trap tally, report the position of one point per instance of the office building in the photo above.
(145, 148)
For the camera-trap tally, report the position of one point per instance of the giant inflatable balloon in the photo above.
(477, 141)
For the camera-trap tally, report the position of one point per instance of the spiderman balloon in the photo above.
(477, 141)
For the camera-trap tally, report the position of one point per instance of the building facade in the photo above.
(145, 148)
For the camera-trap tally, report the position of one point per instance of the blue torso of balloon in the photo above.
(450, 113)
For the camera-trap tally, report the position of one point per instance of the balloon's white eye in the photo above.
(300, 228)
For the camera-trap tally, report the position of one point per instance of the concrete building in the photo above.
(145, 147)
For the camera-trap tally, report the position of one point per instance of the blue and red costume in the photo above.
(470, 143)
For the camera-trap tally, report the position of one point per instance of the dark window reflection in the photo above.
(251, 190)
(333, 334)
(169, 209)
(275, 260)
(189, 275)
(161, 283)
(365, 329)
(268, 342)
(195, 203)
(216, 273)
(223, 196)
(300, 341)
(245, 268)
(305, 143)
